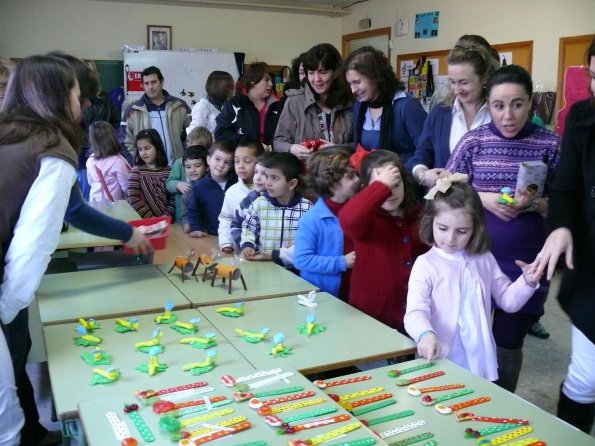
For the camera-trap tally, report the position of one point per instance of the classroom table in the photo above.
(105, 293)
(75, 238)
(178, 244)
(264, 280)
(351, 337)
(70, 376)
(447, 430)
(99, 432)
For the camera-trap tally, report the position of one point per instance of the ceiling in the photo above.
(333, 8)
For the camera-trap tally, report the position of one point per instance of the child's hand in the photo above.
(388, 175)
(186, 228)
(198, 234)
(263, 255)
(227, 250)
(428, 346)
(183, 187)
(248, 253)
(531, 273)
(350, 259)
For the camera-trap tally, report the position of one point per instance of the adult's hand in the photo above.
(559, 242)
(139, 242)
(302, 152)
(431, 176)
(504, 212)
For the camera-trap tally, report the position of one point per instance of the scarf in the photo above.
(385, 139)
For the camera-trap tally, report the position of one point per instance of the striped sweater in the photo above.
(147, 193)
(492, 161)
(272, 223)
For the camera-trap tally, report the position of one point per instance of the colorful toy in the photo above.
(243, 396)
(309, 300)
(445, 410)
(208, 261)
(310, 327)
(386, 418)
(198, 368)
(240, 384)
(90, 324)
(239, 427)
(204, 342)
(226, 272)
(145, 346)
(186, 328)
(139, 423)
(184, 264)
(396, 373)
(97, 357)
(167, 317)
(279, 350)
(252, 336)
(468, 416)
(85, 339)
(322, 438)
(153, 367)
(125, 325)
(149, 396)
(275, 421)
(171, 424)
(236, 310)
(506, 197)
(101, 376)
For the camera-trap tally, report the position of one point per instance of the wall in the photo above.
(97, 29)
(499, 21)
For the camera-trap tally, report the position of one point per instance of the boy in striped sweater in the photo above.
(272, 219)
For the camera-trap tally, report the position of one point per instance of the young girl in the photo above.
(382, 222)
(323, 255)
(451, 286)
(107, 170)
(146, 188)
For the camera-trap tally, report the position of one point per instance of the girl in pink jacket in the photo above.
(451, 286)
(107, 170)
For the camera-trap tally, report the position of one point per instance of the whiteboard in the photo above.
(184, 73)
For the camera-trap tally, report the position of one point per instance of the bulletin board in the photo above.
(522, 54)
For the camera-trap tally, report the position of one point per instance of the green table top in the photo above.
(263, 280)
(105, 293)
(70, 376)
(447, 430)
(351, 337)
(99, 433)
(75, 238)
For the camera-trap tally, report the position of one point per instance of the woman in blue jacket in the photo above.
(384, 116)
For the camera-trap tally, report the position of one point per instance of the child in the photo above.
(209, 192)
(323, 255)
(185, 172)
(107, 170)
(199, 136)
(244, 161)
(146, 187)
(219, 87)
(273, 218)
(451, 286)
(259, 183)
(382, 222)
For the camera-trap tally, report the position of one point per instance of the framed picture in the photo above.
(159, 37)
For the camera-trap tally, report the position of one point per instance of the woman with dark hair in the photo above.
(247, 116)
(571, 218)
(321, 110)
(492, 155)
(384, 117)
(462, 108)
(219, 87)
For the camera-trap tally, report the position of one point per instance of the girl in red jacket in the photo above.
(382, 221)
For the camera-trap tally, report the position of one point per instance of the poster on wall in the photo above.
(426, 24)
(505, 58)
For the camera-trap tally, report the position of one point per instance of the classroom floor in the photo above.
(544, 367)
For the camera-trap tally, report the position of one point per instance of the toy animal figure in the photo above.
(85, 339)
(198, 368)
(236, 310)
(167, 317)
(153, 367)
(252, 336)
(186, 328)
(208, 340)
(208, 261)
(229, 272)
(310, 327)
(101, 376)
(123, 325)
(279, 350)
(89, 324)
(97, 357)
(145, 346)
(183, 263)
(506, 197)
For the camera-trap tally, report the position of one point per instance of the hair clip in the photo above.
(358, 157)
(444, 181)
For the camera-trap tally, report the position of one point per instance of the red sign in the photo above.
(134, 81)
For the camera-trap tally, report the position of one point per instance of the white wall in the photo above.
(97, 29)
(499, 21)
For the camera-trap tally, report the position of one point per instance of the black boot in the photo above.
(579, 415)
(509, 367)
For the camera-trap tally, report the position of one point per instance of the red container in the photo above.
(158, 240)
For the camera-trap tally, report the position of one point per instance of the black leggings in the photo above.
(510, 329)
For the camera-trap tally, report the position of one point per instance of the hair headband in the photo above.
(444, 181)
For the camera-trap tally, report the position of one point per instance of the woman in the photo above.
(491, 155)
(470, 65)
(219, 87)
(247, 116)
(571, 218)
(38, 133)
(321, 110)
(384, 117)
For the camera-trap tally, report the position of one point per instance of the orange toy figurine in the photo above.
(184, 264)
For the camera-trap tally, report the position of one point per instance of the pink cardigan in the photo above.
(115, 170)
(433, 298)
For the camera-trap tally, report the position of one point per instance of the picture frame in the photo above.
(159, 37)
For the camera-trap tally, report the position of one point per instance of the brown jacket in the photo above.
(299, 122)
